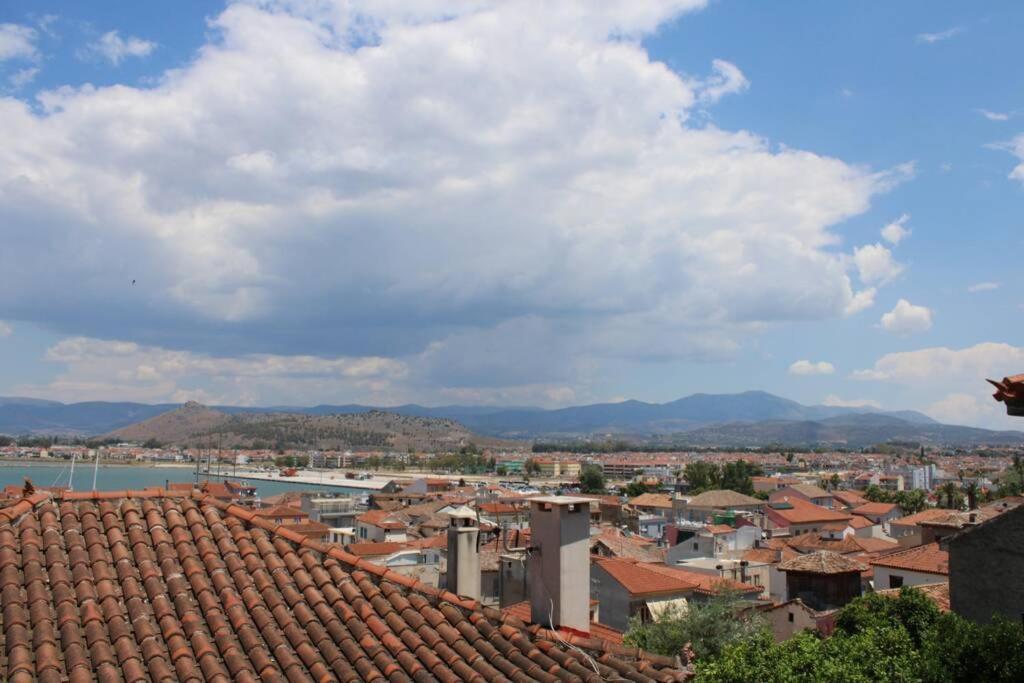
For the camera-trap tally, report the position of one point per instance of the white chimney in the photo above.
(559, 562)
(463, 553)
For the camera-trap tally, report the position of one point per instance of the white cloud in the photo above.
(115, 49)
(1016, 148)
(727, 79)
(861, 301)
(895, 232)
(993, 115)
(5, 329)
(22, 77)
(473, 182)
(939, 36)
(806, 367)
(875, 264)
(17, 42)
(837, 402)
(906, 318)
(949, 384)
(983, 287)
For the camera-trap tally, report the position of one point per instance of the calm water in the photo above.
(114, 477)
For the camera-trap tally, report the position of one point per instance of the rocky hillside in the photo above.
(197, 425)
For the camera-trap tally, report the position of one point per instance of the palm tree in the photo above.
(949, 490)
(834, 480)
(972, 495)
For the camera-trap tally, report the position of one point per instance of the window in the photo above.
(791, 617)
(895, 581)
(695, 546)
(757, 579)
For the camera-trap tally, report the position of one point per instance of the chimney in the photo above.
(463, 553)
(559, 562)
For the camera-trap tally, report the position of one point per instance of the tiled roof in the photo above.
(642, 579)
(652, 500)
(922, 516)
(849, 498)
(706, 583)
(809, 490)
(814, 541)
(958, 519)
(521, 610)
(875, 509)
(718, 529)
(374, 549)
(936, 592)
(928, 558)
(795, 510)
(823, 562)
(722, 498)
(632, 546)
(282, 511)
(135, 586)
(858, 522)
(382, 519)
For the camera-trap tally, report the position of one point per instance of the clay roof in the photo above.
(632, 546)
(521, 610)
(141, 586)
(1009, 390)
(874, 509)
(922, 516)
(279, 511)
(958, 519)
(811, 541)
(823, 562)
(809, 490)
(706, 583)
(795, 510)
(382, 519)
(849, 498)
(936, 592)
(718, 529)
(928, 558)
(642, 579)
(722, 498)
(652, 500)
(858, 522)
(374, 549)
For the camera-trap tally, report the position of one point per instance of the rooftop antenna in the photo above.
(95, 469)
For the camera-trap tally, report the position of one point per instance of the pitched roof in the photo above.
(928, 558)
(849, 498)
(521, 610)
(722, 498)
(795, 510)
(141, 586)
(642, 579)
(279, 511)
(383, 519)
(809, 490)
(874, 509)
(374, 549)
(718, 529)
(823, 562)
(632, 546)
(959, 519)
(922, 516)
(936, 592)
(653, 500)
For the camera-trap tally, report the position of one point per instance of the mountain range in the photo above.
(744, 419)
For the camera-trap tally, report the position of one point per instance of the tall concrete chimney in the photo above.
(559, 562)
(463, 553)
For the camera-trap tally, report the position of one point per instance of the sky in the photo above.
(295, 202)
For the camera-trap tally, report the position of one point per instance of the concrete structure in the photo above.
(986, 564)
(716, 541)
(463, 572)
(809, 492)
(559, 562)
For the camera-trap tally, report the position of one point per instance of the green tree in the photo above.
(705, 629)
(636, 488)
(591, 479)
(911, 502)
(949, 490)
(702, 476)
(972, 495)
(737, 476)
(501, 470)
(833, 482)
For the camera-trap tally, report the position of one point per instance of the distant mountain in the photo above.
(197, 425)
(747, 418)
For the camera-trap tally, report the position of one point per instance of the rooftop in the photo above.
(148, 585)
(823, 562)
(722, 498)
(875, 509)
(928, 558)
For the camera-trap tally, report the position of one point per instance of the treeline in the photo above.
(287, 434)
(736, 476)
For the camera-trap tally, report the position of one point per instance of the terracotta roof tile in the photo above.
(928, 558)
(936, 592)
(143, 586)
(793, 510)
(823, 562)
(874, 509)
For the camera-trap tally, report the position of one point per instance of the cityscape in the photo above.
(651, 341)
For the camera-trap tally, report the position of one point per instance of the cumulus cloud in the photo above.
(806, 367)
(861, 301)
(939, 36)
(949, 384)
(100, 369)
(983, 287)
(115, 49)
(837, 402)
(896, 232)
(993, 115)
(17, 42)
(875, 264)
(906, 318)
(400, 181)
(5, 329)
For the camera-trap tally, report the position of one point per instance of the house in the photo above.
(653, 504)
(717, 541)
(954, 521)
(427, 485)
(721, 503)
(879, 513)
(502, 513)
(743, 571)
(786, 619)
(281, 514)
(794, 516)
(848, 500)
(986, 563)
(809, 492)
(614, 542)
(924, 564)
(823, 580)
(626, 588)
(381, 525)
(908, 530)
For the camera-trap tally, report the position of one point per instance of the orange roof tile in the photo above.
(928, 558)
(875, 509)
(521, 611)
(823, 562)
(793, 510)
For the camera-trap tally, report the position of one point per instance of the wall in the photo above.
(910, 578)
(613, 600)
(985, 569)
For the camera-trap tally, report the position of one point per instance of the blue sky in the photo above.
(333, 202)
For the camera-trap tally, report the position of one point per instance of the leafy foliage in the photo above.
(705, 629)
(591, 479)
(911, 502)
(736, 476)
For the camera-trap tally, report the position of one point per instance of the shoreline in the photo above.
(375, 484)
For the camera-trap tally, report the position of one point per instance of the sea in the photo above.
(120, 477)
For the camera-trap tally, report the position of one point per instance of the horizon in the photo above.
(511, 205)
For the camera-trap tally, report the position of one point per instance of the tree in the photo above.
(531, 466)
(705, 629)
(972, 495)
(834, 482)
(702, 476)
(738, 476)
(501, 470)
(950, 491)
(591, 479)
(911, 502)
(636, 488)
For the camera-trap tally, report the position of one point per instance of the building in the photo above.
(716, 541)
(908, 530)
(879, 513)
(847, 500)
(134, 585)
(986, 563)
(809, 492)
(379, 526)
(823, 580)
(795, 516)
(925, 564)
(708, 506)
